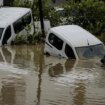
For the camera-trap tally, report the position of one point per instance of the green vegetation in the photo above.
(28, 39)
(48, 10)
(90, 14)
(102, 37)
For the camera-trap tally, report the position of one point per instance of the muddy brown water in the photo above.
(28, 77)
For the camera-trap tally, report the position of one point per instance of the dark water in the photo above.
(27, 77)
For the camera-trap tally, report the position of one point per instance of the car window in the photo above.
(55, 41)
(69, 52)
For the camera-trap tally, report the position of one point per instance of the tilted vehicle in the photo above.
(74, 42)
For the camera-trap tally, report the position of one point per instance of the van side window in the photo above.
(18, 26)
(55, 41)
(69, 52)
(21, 23)
(7, 35)
(27, 19)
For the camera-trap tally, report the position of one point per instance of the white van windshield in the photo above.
(90, 52)
(1, 31)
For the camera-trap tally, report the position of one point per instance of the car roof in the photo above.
(9, 15)
(75, 35)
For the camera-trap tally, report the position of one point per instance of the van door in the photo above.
(69, 52)
(56, 44)
(7, 35)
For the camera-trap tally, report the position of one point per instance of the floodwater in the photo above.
(28, 77)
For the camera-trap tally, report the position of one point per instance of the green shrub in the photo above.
(20, 40)
(90, 14)
(28, 39)
(102, 37)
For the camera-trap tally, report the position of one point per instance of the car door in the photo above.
(56, 44)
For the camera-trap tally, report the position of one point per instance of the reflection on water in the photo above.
(28, 77)
(79, 97)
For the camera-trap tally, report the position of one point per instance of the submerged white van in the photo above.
(14, 21)
(74, 42)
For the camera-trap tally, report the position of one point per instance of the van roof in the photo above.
(75, 35)
(9, 15)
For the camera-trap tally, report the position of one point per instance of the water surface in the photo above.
(28, 77)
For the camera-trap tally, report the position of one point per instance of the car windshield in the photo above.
(91, 52)
(1, 31)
